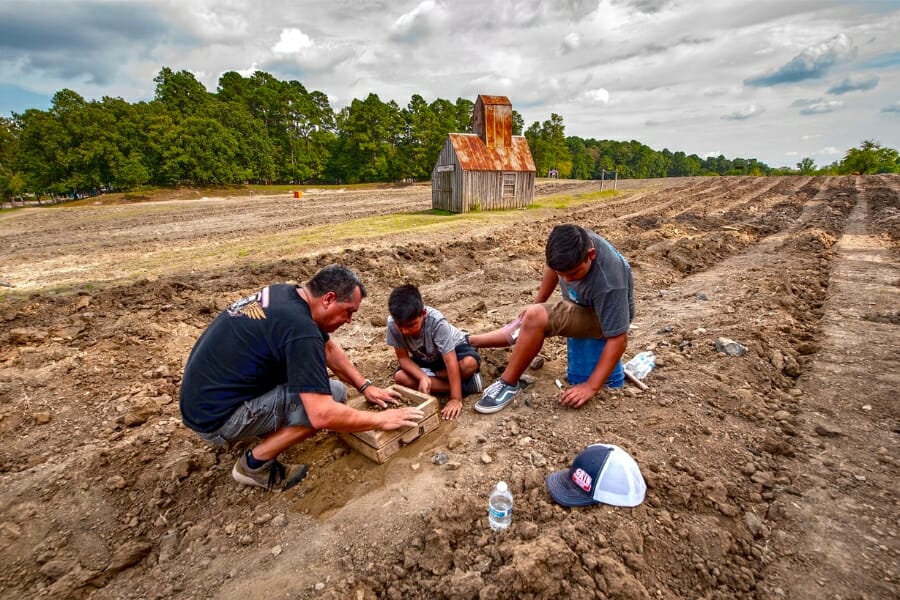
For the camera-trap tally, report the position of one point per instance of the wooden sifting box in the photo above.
(378, 445)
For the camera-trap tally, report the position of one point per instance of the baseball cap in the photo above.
(600, 473)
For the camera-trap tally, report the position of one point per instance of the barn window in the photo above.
(509, 185)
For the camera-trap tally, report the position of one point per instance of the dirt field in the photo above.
(771, 475)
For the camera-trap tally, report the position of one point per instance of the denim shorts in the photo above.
(462, 351)
(268, 413)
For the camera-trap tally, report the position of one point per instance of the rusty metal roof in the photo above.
(473, 155)
(494, 99)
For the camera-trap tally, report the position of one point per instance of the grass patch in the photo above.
(567, 200)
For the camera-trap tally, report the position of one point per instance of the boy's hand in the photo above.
(577, 395)
(381, 396)
(452, 409)
(425, 384)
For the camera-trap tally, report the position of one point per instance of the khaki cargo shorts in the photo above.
(567, 319)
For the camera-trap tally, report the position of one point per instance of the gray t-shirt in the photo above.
(607, 287)
(436, 338)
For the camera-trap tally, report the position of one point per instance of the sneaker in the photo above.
(496, 397)
(472, 385)
(273, 475)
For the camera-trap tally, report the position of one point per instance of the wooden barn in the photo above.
(487, 169)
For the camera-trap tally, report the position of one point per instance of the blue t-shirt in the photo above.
(256, 344)
(608, 288)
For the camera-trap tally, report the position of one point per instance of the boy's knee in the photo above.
(468, 366)
(535, 315)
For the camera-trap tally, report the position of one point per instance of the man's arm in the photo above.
(338, 361)
(577, 395)
(325, 413)
(548, 284)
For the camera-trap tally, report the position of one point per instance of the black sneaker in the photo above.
(472, 385)
(273, 475)
(496, 397)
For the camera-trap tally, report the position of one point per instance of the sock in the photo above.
(252, 462)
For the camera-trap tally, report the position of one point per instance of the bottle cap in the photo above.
(501, 486)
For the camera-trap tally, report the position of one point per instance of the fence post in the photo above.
(616, 180)
(602, 177)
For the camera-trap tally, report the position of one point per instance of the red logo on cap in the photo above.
(582, 479)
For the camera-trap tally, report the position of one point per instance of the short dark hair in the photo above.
(405, 303)
(567, 247)
(338, 279)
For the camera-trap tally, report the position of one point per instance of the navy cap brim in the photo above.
(565, 493)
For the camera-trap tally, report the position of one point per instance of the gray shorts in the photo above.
(567, 319)
(267, 413)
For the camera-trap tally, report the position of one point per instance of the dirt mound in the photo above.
(770, 474)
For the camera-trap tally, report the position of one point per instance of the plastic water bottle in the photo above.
(641, 364)
(500, 507)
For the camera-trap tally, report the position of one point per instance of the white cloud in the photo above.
(828, 151)
(748, 112)
(292, 41)
(817, 106)
(598, 95)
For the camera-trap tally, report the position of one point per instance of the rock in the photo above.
(777, 360)
(538, 459)
(414, 466)
(807, 348)
(116, 482)
(82, 303)
(378, 321)
(453, 465)
(276, 550)
(782, 415)
(168, 546)
(479, 307)
(486, 458)
(537, 363)
(827, 430)
(753, 523)
(55, 569)
(279, 521)
(245, 540)
(791, 367)
(41, 418)
(440, 458)
(182, 468)
(526, 380)
(730, 347)
(262, 519)
(27, 335)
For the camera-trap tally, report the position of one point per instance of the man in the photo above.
(598, 302)
(260, 370)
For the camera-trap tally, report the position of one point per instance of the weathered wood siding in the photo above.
(484, 190)
(446, 185)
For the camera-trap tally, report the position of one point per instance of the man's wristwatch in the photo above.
(363, 387)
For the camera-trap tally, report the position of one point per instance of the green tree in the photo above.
(806, 166)
(180, 93)
(870, 157)
(369, 132)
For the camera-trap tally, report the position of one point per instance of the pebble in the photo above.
(320, 586)
(441, 458)
(414, 466)
(245, 540)
(867, 407)
(537, 363)
(730, 347)
(753, 523)
(486, 458)
(276, 550)
(41, 418)
(538, 459)
(279, 521)
(827, 430)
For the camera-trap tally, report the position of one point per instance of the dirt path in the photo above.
(771, 474)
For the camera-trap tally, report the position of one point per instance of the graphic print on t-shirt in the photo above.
(252, 306)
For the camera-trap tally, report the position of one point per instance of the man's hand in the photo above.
(452, 409)
(395, 418)
(577, 395)
(382, 396)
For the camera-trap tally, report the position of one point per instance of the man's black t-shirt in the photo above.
(254, 345)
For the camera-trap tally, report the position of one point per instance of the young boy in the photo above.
(434, 356)
(598, 302)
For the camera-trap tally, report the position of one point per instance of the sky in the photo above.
(778, 81)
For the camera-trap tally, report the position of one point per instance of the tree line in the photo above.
(259, 129)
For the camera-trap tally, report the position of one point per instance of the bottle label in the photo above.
(499, 513)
